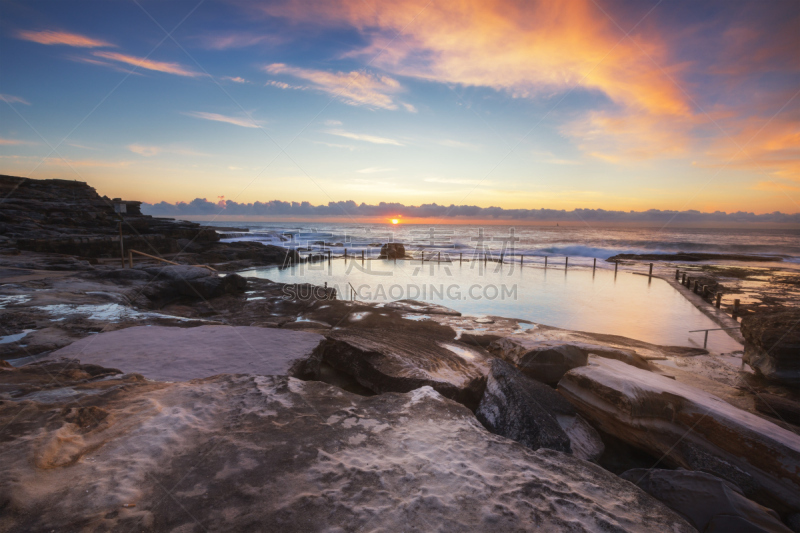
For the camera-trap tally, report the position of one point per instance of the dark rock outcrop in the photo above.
(772, 345)
(509, 408)
(69, 217)
(707, 502)
(693, 256)
(393, 250)
(689, 428)
(273, 453)
(533, 414)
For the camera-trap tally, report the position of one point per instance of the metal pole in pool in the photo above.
(566, 263)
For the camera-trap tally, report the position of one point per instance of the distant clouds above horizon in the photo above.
(597, 104)
(347, 210)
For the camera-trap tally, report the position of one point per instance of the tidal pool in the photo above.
(579, 299)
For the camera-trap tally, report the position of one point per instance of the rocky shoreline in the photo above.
(169, 396)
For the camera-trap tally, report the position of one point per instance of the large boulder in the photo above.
(393, 250)
(707, 502)
(772, 345)
(403, 359)
(272, 453)
(180, 354)
(533, 414)
(545, 361)
(689, 428)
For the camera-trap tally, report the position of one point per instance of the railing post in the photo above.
(677, 273)
(683, 279)
(362, 257)
(651, 271)
(460, 257)
(705, 341)
(719, 299)
(439, 257)
(520, 259)
(130, 259)
(735, 307)
(616, 265)
(594, 265)
(566, 263)
(545, 262)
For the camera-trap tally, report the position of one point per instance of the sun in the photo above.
(395, 221)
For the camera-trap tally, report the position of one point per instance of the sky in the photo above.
(580, 104)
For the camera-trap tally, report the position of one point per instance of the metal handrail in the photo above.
(705, 340)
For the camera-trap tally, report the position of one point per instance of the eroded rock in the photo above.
(277, 454)
(689, 428)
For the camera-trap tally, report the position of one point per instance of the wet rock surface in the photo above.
(276, 453)
(707, 502)
(181, 354)
(689, 428)
(772, 345)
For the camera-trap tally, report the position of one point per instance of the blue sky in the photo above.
(581, 104)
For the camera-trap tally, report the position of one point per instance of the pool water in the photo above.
(579, 299)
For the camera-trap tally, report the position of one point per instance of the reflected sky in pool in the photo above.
(578, 299)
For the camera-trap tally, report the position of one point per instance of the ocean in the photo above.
(581, 243)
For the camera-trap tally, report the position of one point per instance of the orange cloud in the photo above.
(527, 49)
(771, 147)
(354, 88)
(63, 38)
(12, 142)
(149, 64)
